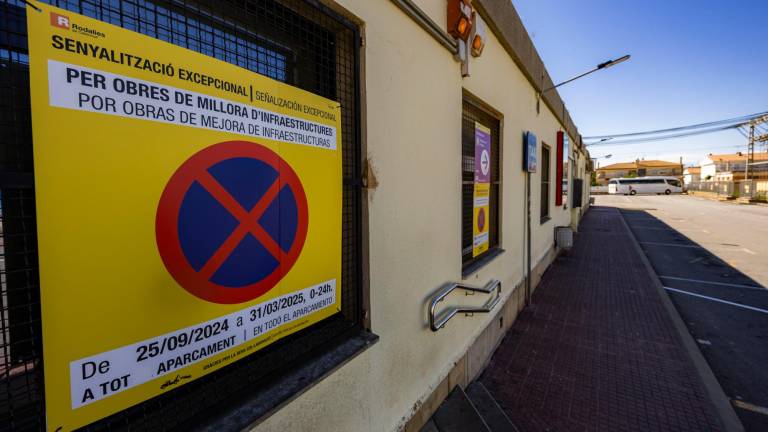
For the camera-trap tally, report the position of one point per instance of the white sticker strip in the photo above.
(103, 375)
(85, 89)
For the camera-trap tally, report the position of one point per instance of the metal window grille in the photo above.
(472, 113)
(298, 42)
(544, 213)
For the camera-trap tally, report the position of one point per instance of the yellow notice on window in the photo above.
(189, 213)
(482, 189)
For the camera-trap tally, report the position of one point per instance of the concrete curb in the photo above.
(722, 404)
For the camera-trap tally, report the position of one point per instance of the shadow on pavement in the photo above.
(724, 309)
(596, 349)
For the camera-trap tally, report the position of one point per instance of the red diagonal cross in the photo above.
(248, 222)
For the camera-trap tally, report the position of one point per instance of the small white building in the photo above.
(691, 175)
(730, 167)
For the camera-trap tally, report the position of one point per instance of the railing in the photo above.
(746, 188)
(725, 188)
(438, 322)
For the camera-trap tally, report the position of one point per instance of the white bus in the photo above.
(645, 185)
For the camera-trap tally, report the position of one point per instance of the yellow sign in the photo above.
(189, 213)
(482, 190)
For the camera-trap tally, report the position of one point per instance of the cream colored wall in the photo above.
(414, 100)
(496, 80)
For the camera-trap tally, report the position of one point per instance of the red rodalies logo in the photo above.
(60, 21)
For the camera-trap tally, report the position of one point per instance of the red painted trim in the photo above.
(166, 222)
(559, 169)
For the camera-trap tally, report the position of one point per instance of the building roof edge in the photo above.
(508, 27)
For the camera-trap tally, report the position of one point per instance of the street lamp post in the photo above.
(603, 65)
(608, 156)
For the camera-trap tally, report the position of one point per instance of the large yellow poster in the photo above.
(189, 213)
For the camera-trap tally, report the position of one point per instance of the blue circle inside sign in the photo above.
(204, 223)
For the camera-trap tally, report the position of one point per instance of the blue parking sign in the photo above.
(529, 152)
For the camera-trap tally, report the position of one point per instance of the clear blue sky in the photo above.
(692, 62)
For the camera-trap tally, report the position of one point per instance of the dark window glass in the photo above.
(472, 113)
(544, 183)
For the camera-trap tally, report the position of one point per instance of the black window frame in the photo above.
(270, 37)
(475, 110)
(545, 182)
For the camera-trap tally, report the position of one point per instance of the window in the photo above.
(472, 115)
(294, 41)
(544, 183)
(563, 161)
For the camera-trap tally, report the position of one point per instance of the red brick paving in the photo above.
(596, 350)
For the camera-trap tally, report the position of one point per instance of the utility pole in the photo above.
(755, 139)
(750, 150)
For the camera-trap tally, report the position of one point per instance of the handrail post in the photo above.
(436, 323)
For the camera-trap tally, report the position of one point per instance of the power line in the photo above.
(680, 150)
(732, 122)
(742, 130)
(663, 138)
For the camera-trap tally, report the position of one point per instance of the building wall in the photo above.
(722, 171)
(413, 91)
(603, 176)
(664, 171)
(708, 169)
(690, 178)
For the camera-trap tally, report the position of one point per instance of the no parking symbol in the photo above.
(231, 222)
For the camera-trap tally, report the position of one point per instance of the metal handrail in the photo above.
(436, 323)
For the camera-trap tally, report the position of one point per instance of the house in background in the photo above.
(691, 174)
(731, 167)
(639, 168)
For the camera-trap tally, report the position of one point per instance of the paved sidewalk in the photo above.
(596, 350)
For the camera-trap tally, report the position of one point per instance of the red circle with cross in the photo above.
(195, 174)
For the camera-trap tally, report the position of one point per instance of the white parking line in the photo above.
(750, 407)
(672, 245)
(680, 230)
(713, 283)
(748, 251)
(717, 300)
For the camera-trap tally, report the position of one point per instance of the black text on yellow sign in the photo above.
(204, 201)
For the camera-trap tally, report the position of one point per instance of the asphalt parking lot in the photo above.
(712, 258)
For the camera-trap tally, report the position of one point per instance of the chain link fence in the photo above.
(720, 188)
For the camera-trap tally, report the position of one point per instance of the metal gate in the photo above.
(299, 42)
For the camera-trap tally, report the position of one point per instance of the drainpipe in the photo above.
(528, 238)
